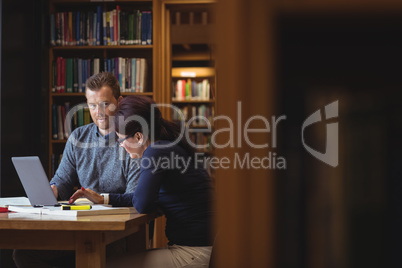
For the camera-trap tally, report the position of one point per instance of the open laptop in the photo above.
(34, 180)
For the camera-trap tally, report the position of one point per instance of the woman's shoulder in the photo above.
(162, 147)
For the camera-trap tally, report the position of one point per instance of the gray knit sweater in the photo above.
(95, 162)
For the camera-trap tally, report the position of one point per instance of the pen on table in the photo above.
(68, 207)
(3, 210)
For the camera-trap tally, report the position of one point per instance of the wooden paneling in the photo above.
(245, 197)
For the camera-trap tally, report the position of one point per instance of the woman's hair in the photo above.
(144, 108)
(97, 81)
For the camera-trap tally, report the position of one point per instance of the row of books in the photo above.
(70, 74)
(61, 128)
(198, 115)
(192, 90)
(100, 27)
(201, 141)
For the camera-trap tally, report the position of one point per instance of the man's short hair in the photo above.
(97, 81)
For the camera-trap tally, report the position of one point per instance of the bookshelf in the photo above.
(192, 70)
(70, 40)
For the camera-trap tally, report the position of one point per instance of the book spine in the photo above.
(108, 30)
(139, 27)
(183, 89)
(111, 28)
(96, 65)
(75, 75)
(52, 30)
(58, 29)
(105, 69)
(143, 75)
(88, 40)
(99, 25)
(60, 131)
(144, 28)
(135, 27)
(94, 29)
(84, 73)
(104, 28)
(54, 76)
(118, 25)
(137, 75)
(77, 28)
(122, 28)
(188, 89)
(133, 74)
(74, 32)
(63, 75)
(149, 29)
(82, 15)
(80, 85)
(130, 29)
(194, 88)
(123, 73)
(62, 28)
(69, 75)
(128, 74)
(65, 23)
(112, 66)
(58, 87)
(70, 28)
(67, 125)
(119, 74)
(54, 122)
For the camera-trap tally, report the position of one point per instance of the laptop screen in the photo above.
(34, 180)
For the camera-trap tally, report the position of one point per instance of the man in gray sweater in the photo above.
(92, 157)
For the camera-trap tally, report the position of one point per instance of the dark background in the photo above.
(24, 110)
(348, 216)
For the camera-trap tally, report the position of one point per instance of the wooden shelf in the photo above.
(75, 94)
(58, 141)
(68, 2)
(196, 126)
(192, 34)
(192, 56)
(333, 6)
(192, 101)
(129, 47)
(193, 72)
(137, 93)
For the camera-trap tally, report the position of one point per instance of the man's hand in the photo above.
(89, 194)
(55, 192)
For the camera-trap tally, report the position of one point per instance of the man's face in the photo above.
(102, 104)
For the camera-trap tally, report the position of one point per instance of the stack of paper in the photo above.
(95, 210)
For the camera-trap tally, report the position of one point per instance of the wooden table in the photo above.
(87, 235)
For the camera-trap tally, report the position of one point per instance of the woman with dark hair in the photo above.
(170, 180)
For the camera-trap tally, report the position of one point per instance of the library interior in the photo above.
(291, 106)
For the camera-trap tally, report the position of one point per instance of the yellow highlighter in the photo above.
(73, 207)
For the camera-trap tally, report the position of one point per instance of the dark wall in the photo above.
(23, 92)
(343, 216)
